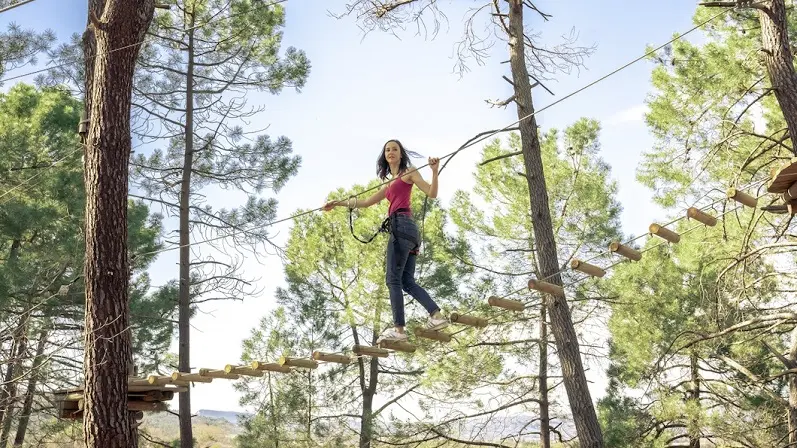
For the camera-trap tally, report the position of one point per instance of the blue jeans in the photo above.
(400, 268)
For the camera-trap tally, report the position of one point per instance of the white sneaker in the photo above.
(437, 324)
(392, 335)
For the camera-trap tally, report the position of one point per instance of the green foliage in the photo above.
(712, 112)
(41, 221)
(19, 47)
(336, 297)
(581, 197)
(688, 312)
(230, 50)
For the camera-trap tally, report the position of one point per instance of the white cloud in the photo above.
(632, 114)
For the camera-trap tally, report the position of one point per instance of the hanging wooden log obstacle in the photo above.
(331, 357)
(398, 346)
(547, 288)
(432, 334)
(269, 367)
(589, 269)
(701, 216)
(507, 304)
(742, 198)
(242, 370)
(190, 377)
(625, 251)
(297, 362)
(664, 233)
(364, 350)
(211, 373)
(471, 321)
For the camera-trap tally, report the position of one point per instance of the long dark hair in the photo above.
(382, 167)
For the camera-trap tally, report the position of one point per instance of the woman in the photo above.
(402, 247)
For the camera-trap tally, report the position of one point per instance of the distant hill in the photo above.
(218, 429)
(211, 428)
(230, 416)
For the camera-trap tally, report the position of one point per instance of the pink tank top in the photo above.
(398, 193)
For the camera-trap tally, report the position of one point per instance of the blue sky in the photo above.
(362, 92)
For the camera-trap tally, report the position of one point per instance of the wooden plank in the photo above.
(784, 177)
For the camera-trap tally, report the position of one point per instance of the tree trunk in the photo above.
(694, 425)
(184, 306)
(575, 381)
(366, 420)
(9, 393)
(545, 418)
(273, 411)
(117, 33)
(778, 60)
(792, 414)
(30, 392)
(791, 363)
(366, 416)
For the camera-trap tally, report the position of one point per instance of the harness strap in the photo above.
(386, 227)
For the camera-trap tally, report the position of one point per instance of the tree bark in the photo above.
(779, 61)
(694, 425)
(117, 33)
(9, 393)
(366, 420)
(30, 391)
(545, 418)
(575, 381)
(791, 415)
(184, 305)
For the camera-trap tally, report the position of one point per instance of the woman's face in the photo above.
(392, 152)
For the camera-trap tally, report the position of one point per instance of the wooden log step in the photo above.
(399, 346)
(331, 357)
(215, 373)
(471, 321)
(163, 380)
(364, 350)
(507, 304)
(546, 288)
(627, 252)
(269, 367)
(432, 334)
(242, 370)
(589, 269)
(190, 377)
(742, 197)
(298, 362)
(664, 233)
(701, 216)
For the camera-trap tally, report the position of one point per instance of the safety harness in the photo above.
(387, 226)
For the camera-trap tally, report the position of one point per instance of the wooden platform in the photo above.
(140, 398)
(783, 177)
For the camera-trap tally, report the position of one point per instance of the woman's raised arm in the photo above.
(354, 203)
